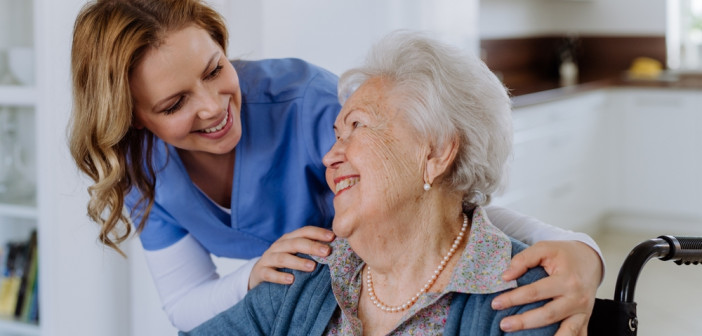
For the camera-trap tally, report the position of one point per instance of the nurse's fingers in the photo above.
(307, 240)
(286, 260)
(267, 268)
(261, 274)
(310, 232)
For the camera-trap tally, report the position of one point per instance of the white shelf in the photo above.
(19, 211)
(12, 327)
(18, 95)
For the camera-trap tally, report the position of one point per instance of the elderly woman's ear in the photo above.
(440, 159)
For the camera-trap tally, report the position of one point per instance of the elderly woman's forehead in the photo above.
(374, 96)
(379, 85)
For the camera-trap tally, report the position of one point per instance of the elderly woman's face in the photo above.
(375, 168)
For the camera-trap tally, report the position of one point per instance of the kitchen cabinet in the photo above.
(624, 158)
(659, 144)
(554, 173)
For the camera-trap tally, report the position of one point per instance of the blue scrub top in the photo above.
(287, 113)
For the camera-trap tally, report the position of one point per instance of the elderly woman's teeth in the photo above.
(347, 183)
(218, 127)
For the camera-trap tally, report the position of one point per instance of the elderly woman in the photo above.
(421, 145)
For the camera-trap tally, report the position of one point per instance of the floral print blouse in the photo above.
(484, 259)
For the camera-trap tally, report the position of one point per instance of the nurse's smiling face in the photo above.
(375, 168)
(187, 93)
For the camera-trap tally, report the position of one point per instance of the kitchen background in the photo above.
(603, 144)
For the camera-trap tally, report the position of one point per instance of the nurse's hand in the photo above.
(308, 240)
(575, 272)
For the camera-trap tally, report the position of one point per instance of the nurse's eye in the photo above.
(175, 107)
(214, 73)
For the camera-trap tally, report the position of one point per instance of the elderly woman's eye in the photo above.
(357, 124)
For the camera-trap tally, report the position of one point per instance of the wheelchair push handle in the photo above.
(682, 250)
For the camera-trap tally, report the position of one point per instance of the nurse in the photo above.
(207, 156)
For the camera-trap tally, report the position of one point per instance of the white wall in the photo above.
(523, 18)
(83, 285)
(337, 34)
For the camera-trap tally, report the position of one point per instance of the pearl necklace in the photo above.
(395, 309)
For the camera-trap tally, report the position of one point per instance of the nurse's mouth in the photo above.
(345, 183)
(217, 127)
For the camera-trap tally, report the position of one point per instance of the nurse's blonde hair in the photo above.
(110, 37)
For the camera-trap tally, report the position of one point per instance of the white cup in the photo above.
(21, 64)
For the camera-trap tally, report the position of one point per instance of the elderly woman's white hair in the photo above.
(447, 93)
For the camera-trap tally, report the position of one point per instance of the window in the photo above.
(684, 34)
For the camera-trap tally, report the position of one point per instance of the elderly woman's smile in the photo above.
(345, 182)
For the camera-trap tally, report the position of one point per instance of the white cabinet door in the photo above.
(633, 155)
(659, 143)
(554, 172)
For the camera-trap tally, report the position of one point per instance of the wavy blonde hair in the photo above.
(110, 37)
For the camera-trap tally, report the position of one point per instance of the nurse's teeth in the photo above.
(346, 183)
(218, 127)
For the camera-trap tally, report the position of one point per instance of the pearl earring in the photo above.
(427, 186)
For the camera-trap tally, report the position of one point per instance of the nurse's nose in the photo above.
(209, 106)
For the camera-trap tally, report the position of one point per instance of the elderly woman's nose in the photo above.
(334, 156)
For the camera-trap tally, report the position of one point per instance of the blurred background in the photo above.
(607, 125)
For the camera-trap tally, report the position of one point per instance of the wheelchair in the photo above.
(617, 317)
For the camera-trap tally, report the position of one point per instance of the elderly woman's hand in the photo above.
(281, 254)
(575, 272)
